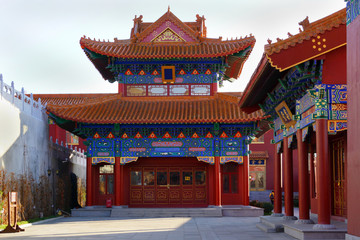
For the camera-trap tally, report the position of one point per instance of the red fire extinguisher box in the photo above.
(108, 203)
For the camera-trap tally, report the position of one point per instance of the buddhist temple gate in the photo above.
(167, 138)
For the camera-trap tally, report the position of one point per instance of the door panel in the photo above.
(175, 186)
(162, 186)
(149, 185)
(168, 186)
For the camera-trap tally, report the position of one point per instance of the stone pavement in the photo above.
(209, 228)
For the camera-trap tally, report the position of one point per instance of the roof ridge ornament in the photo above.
(305, 23)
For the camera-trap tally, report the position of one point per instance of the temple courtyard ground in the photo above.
(176, 228)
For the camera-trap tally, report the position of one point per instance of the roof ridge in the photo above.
(310, 29)
(166, 16)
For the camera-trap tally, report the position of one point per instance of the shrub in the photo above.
(268, 207)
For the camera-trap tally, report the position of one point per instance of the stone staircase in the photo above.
(271, 224)
(233, 211)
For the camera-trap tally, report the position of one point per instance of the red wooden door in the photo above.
(104, 184)
(174, 185)
(338, 177)
(164, 186)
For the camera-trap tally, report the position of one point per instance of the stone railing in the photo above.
(22, 101)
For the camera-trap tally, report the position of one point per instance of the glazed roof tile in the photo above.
(206, 48)
(318, 27)
(259, 155)
(114, 108)
(67, 99)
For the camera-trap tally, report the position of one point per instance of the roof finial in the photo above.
(168, 8)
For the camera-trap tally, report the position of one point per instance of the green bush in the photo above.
(268, 207)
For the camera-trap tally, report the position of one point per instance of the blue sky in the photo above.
(39, 39)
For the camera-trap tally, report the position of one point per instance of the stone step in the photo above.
(242, 211)
(91, 212)
(265, 228)
(275, 223)
(166, 212)
(306, 231)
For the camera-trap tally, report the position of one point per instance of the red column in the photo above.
(122, 189)
(277, 184)
(89, 187)
(288, 181)
(304, 190)
(117, 182)
(217, 182)
(246, 192)
(323, 175)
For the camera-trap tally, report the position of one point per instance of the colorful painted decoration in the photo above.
(195, 135)
(138, 135)
(223, 135)
(152, 135)
(209, 135)
(167, 135)
(208, 72)
(128, 72)
(237, 159)
(96, 135)
(210, 160)
(124, 135)
(110, 135)
(182, 72)
(109, 160)
(124, 160)
(155, 72)
(195, 72)
(181, 135)
(238, 135)
(142, 72)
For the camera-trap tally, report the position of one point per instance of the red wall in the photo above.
(353, 150)
(267, 146)
(334, 67)
(55, 132)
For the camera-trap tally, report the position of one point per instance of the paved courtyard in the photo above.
(219, 228)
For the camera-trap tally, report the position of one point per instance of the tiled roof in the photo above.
(318, 27)
(67, 99)
(259, 155)
(114, 108)
(207, 48)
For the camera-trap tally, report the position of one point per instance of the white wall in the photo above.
(24, 144)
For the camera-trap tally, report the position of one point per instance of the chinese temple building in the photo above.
(168, 138)
(304, 87)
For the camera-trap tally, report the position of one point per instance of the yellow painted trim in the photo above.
(164, 31)
(280, 69)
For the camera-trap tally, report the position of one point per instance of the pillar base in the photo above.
(351, 237)
(277, 215)
(304, 221)
(290, 218)
(323, 226)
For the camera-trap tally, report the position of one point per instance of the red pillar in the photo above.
(277, 184)
(117, 182)
(89, 187)
(288, 181)
(122, 189)
(217, 182)
(304, 189)
(323, 175)
(246, 192)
